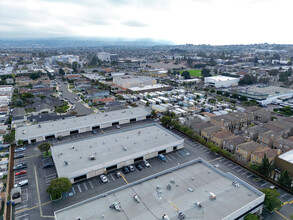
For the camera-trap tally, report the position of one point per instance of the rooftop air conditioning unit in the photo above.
(92, 157)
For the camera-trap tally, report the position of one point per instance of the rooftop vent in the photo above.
(24, 131)
(124, 148)
(72, 147)
(39, 126)
(92, 157)
(65, 163)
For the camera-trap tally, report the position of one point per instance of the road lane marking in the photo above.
(281, 215)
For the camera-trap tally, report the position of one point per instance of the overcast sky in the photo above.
(180, 21)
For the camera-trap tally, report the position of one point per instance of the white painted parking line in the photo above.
(73, 190)
(178, 154)
(240, 170)
(282, 196)
(21, 216)
(112, 177)
(205, 150)
(85, 186)
(264, 184)
(235, 167)
(91, 184)
(244, 173)
(172, 156)
(21, 207)
(230, 165)
(249, 176)
(168, 157)
(78, 186)
(50, 175)
(222, 159)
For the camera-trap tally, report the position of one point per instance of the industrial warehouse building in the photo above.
(197, 189)
(90, 157)
(221, 81)
(54, 129)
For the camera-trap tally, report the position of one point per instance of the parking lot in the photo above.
(40, 178)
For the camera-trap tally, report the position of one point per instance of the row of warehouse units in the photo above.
(194, 190)
(74, 125)
(86, 158)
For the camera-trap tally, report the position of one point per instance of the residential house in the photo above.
(232, 121)
(218, 137)
(206, 133)
(44, 108)
(254, 131)
(286, 128)
(243, 151)
(258, 155)
(283, 144)
(18, 116)
(262, 115)
(267, 138)
(198, 127)
(230, 143)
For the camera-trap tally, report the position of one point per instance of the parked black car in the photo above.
(138, 166)
(125, 170)
(19, 156)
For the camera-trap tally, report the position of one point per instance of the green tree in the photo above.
(35, 76)
(189, 62)
(166, 120)
(154, 114)
(205, 72)
(234, 96)
(266, 166)
(61, 72)
(186, 75)
(58, 186)
(44, 147)
(272, 201)
(9, 138)
(285, 179)
(248, 80)
(243, 98)
(251, 216)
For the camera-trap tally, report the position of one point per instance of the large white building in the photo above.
(108, 57)
(90, 157)
(221, 81)
(128, 81)
(74, 125)
(65, 58)
(197, 189)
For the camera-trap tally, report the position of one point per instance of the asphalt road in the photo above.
(79, 107)
(35, 193)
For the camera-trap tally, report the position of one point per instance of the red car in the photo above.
(21, 172)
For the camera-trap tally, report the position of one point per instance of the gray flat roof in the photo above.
(201, 177)
(53, 127)
(108, 149)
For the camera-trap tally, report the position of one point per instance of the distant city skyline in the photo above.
(215, 22)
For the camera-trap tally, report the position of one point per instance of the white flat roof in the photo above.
(191, 183)
(288, 156)
(221, 78)
(155, 86)
(108, 149)
(71, 124)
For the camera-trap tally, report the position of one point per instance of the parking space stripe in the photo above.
(282, 196)
(85, 186)
(172, 156)
(240, 170)
(244, 173)
(73, 190)
(21, 207)
(91, 184)
(167, 157)
(78, 186)
(112, 177)
(230, 165)
(264, 184)
(178, 154)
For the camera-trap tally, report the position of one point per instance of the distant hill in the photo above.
(79, 42)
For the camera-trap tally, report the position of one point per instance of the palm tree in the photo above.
(266, 166)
